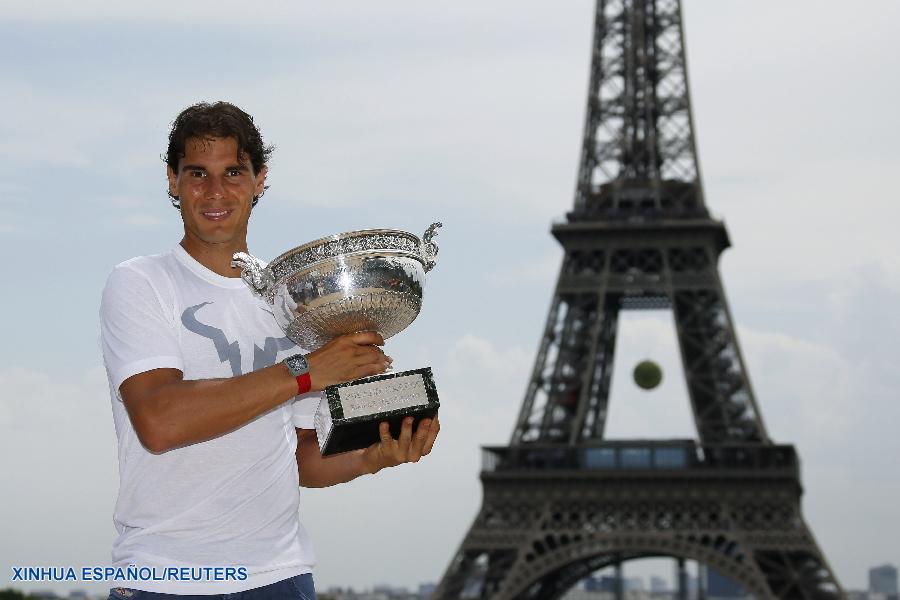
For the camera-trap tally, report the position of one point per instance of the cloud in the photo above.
(58, 459)
(808, 388)
(801, 224)
(387, 15)
(409, 128)
(841, 414)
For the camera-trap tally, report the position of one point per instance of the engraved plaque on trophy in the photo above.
(370, 280)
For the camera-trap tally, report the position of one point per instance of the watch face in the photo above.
(297, 364)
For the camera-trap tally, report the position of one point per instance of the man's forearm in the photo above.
(177, 413)
(168, 412)
(322, 471)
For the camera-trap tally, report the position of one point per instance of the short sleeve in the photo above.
(304, 410)
(137, 333)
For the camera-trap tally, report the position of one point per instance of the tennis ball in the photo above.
(647, 374)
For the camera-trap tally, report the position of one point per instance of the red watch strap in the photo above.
(304, 383)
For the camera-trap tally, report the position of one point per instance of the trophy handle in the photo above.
(254, 273)
(430, 247)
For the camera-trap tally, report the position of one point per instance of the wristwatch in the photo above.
(299, 369)
(297, 365)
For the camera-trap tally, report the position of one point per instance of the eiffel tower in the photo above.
(561, 502)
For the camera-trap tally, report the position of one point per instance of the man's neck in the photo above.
(215, 257)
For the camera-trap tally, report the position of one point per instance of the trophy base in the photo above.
(350, 413)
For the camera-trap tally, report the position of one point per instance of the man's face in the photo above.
(216, 188)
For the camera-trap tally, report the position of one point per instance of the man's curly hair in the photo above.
(218, 120)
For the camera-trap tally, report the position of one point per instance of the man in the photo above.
(213, 406)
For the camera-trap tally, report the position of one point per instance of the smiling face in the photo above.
(216, 188)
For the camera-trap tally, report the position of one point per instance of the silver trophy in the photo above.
(370, 280)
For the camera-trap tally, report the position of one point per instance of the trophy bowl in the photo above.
(368, 280)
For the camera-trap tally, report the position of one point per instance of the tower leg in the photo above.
(620, 584)
(682, 580)
(701, 581)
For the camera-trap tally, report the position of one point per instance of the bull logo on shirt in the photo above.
(230, 352)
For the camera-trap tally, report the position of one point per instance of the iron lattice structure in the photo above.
(560, 501)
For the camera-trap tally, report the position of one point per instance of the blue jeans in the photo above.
(299, 587)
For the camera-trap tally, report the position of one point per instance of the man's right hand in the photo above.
(346, 358)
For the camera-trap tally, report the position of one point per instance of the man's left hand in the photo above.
(408, 447)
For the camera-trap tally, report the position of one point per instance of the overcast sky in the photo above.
(399, 113)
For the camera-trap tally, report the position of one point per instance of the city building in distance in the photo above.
(883, 581)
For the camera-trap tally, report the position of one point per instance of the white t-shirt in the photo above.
(229, 501)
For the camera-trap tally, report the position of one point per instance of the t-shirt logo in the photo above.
(231, 351)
